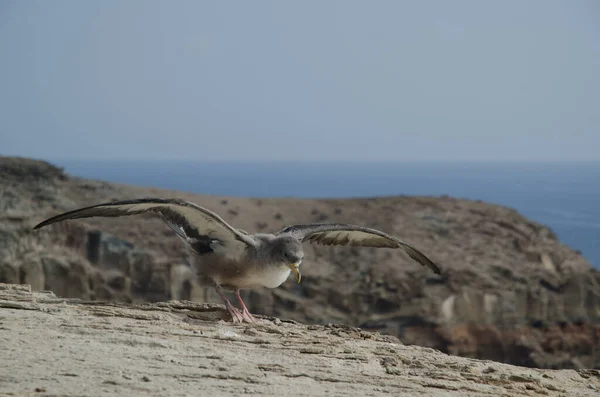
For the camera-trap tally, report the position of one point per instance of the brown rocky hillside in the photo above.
(509, 291)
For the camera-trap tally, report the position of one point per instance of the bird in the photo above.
(232, 259)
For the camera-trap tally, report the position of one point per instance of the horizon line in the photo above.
(319, 161)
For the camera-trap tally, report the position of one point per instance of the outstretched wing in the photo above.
(193, 223)
(344, 234)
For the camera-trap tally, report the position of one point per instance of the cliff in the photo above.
(509, 291)
(69, 347)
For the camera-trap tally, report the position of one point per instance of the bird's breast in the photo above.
(242, 274)
(274, 277)
(270, 277)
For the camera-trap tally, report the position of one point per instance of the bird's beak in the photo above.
(294, 269)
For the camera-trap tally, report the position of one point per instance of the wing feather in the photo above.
(356, 236)
(190, 221)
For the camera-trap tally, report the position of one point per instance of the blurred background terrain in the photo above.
(509, 290)
(468, 129)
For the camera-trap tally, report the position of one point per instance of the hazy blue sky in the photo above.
(370, 80)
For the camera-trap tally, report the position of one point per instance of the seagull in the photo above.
(230, 258)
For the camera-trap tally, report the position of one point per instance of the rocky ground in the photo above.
(68, 347)
(509, 291)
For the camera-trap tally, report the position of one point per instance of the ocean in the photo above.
(563, 196)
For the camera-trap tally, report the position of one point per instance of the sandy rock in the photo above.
(54, 346)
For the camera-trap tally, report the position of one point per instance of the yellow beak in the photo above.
(294, 269)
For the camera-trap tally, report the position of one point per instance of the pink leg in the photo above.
(247, 316)
(236, 316)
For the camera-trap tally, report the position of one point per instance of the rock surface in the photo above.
(69, 347)
(509, 291)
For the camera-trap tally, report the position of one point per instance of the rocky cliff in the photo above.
(509, 291)
(69, 347)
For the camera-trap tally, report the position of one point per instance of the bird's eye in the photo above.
(285, 254)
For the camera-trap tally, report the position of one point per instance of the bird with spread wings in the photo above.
(231, 258)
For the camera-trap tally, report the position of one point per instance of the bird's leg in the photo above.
(236, 316)
(247, 316)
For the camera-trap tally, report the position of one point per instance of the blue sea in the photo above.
(563, 196)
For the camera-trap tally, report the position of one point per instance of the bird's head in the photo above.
(288, 252)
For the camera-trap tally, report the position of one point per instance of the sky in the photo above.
(394, 80)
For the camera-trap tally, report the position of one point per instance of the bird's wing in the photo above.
(344, 234)
(188, 220)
